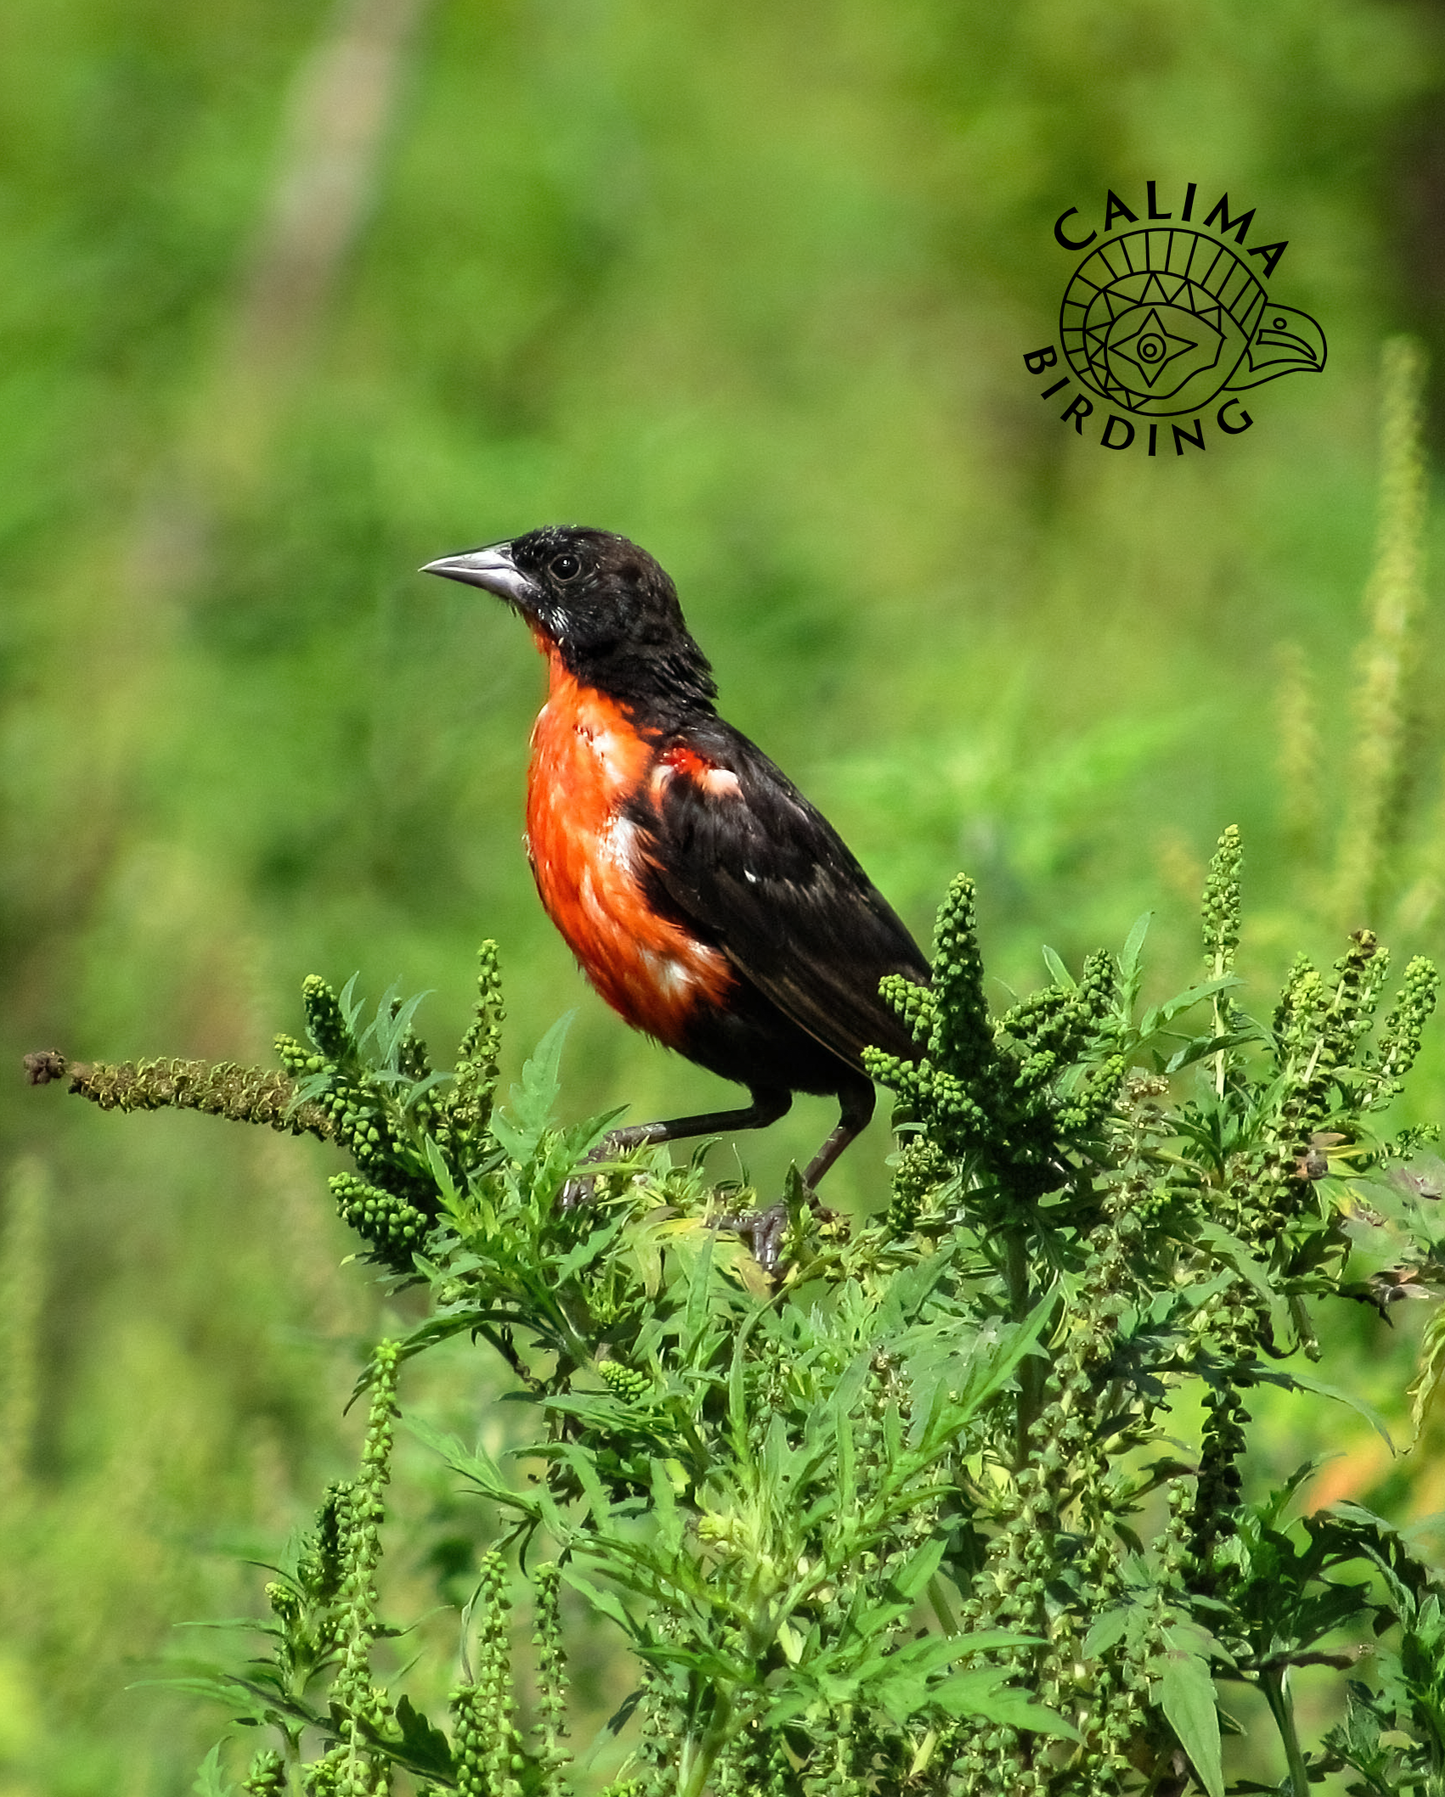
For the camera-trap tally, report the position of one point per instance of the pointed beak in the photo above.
(1287, 335)
(492, 569)
(1286, 341)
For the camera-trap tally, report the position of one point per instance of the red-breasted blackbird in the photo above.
(707, 901)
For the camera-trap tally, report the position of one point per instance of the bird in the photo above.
(705, 899)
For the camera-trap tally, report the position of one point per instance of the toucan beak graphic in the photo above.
(1284, 341)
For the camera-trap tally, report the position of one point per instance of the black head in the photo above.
(610, 611)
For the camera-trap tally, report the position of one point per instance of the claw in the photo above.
(577, 1192)
(763, 1230)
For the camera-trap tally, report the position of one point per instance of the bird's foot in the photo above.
(579, 1190)
(766, 1230)
(762, 1230)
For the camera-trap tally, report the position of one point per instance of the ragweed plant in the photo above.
(912, 1515)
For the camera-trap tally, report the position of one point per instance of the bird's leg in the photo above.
(765, 1229)
(769, 1103)
(855, 1115)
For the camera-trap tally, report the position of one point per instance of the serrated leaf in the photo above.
(737, 1384)
(695, 1316)
(387, 1032)
(665, 1517)
(582, 1254)
(475, 1465)
(1106, 1629)
(606, 1603)
(1235, 1254)
(1186, 1696)
(1272, 1508)
(581, 1138)
(429, 1082)
(519, 1143)
(989, 1371)
(350, 1005)
(1199, 1046)
(532, 1102)
(1157, 1016)
(247, 1702)
(1300, 1381)
(423, 1747)
(981, 1693)
(210, 1780)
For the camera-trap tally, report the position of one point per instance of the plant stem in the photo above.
(1272, 1679)
(695, 1774)
(1031, 1370)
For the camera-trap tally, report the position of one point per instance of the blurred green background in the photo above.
(295, 296)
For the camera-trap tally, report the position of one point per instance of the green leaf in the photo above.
(1130, 973)
(350, 1005)
(695, 1319)
(909, 1289)
(1107, 1628)
(1300, 1381)
(989, 1372)
(441, 1173)
(983, 1693)
(387, 1033)
(1271, 1509)
(1236, 1255)
(423, 1747)
(1431, 1370)
(846, 1472)
(920, 1569)
(581, 1138)
(1200, 1046)
(1186, 1695)
(737, 1383)
(475, 1465)
(1060, 974)
(210, 1780)
(533, 1102)
(1157, 1016)
(520, 1144)
(590, 1248)
(606, 1603)
(665, 1518)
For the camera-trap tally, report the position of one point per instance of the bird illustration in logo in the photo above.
(1161, 322)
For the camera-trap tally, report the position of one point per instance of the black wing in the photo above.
(738, 850)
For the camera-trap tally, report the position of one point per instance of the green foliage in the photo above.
(991, 1093)
(752, 282)
(488, 1753)
(912, 1514)
(412, 1132)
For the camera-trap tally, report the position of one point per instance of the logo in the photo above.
(1169, 323)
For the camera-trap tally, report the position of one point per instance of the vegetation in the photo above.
(753, 285)
(874, 1525)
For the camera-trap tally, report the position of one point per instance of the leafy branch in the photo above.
(911, 1514)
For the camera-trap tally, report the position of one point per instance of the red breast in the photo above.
(588, 762)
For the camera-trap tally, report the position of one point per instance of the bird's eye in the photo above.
(565, 566)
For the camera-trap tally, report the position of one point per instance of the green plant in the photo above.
(911, 1517)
